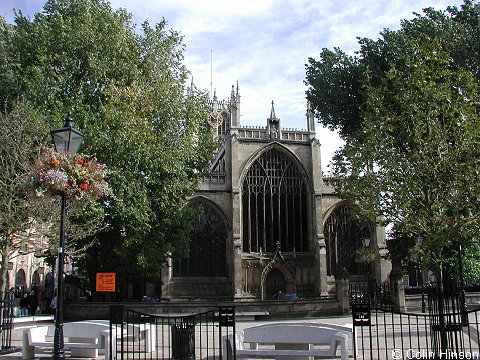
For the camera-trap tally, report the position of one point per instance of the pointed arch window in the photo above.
(35, 279)
(207, 248)
(20, 282)
(343, 237)
(274, 205)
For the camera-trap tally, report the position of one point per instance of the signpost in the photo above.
(105, 282)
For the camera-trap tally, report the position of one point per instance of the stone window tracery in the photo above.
(274, 205)
(207, 251)
(343, 237)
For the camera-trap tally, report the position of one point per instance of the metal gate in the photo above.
(135, 335)
(447, 331)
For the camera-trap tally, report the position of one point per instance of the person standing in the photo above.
(41, 301)
(24, 305)
(33, 303)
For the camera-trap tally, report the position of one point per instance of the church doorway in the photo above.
(274, 283)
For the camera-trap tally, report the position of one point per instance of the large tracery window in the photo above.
(274, 203)
(343, 237)
(207, 252)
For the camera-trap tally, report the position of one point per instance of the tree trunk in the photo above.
(4, 268)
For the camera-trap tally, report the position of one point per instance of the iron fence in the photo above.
(371, 293)
(135, 335)
(388, 334)
(7, 314)
(447, 331)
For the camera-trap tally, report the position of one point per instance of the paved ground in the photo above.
(24, 323)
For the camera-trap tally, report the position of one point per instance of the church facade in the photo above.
(268, 221)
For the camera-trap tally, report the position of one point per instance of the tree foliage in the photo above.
(412, 156)
(22, 138)
(337, 80)
(126, 90)
(335, 83)
(25, 220)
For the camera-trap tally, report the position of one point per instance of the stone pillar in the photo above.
(166, 277)
(383, 266)
(237, 244)
(237, 266)
(322, 265)
(398, 290)
(343, 285)
(316, 227)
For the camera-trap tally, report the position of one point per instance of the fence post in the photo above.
(226, 318)
(398, 290)
(116, 320)
(343, 286)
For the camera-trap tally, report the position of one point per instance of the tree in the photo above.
(21, 140)
(26, 220)
(337, 80)
(335, 83)
(126, 90)
(412, 157)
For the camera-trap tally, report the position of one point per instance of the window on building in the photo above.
(35, 279)
(20, 282)
(274, 205)
(207, 249)
(343, 237)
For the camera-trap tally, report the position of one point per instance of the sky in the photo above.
(264, 45)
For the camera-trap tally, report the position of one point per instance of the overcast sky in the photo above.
(263, 44)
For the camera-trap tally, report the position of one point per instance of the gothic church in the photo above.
(267, 219)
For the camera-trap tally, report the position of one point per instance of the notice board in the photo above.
(105, 282)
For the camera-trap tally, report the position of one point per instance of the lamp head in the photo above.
(66, 138)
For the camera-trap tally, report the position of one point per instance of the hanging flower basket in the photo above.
(76, 176)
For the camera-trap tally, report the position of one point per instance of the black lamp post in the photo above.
(66, 140)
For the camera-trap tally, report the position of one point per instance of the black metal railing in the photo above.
(371, 293)
(382, 334)
(6, 327)
(447, 331)
(135, 335)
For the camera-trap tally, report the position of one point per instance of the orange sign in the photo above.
(105, 282)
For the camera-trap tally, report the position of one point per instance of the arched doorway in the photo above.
(35, 280)
(274, 283)
(49, 285)
(20, 283)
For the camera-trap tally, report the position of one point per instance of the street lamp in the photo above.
(66, 140)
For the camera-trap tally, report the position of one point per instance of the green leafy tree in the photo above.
(337, 80)
(126, 90)
(411, 156)
(26, 220)
(22, 137)
(335, 83)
